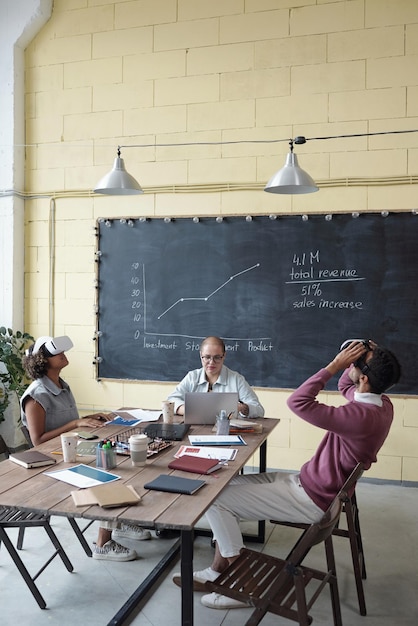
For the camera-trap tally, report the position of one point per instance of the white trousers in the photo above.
(272, 495)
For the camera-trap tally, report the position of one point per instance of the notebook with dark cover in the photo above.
(31, 458)
(195, 464)
(175, 484)
(168, 432)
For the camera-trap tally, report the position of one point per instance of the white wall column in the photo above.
(20, 21)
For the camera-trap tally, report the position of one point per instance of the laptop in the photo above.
(202, 408)
(167, 432)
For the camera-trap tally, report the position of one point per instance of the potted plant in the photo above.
(13, 381)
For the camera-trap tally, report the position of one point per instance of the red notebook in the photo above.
(195, 464)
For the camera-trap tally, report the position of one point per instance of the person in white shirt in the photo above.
(215, 376)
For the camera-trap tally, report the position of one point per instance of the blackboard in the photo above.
(283, 292)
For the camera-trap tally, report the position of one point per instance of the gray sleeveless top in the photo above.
(59, 404)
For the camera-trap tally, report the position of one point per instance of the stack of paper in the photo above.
(206, 452)
(244, 426)
(133, 417)
(239, 427)
(216, 440)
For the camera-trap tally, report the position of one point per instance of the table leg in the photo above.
(262, 467)
(139, 594)
(186, 568)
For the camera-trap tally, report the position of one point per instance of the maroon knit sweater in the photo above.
(355, 432)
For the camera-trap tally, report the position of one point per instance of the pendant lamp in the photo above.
(291, 179)
(118, 182)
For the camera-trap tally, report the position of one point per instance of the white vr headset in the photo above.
(54, 345)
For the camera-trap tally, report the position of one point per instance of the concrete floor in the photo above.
(95, 591)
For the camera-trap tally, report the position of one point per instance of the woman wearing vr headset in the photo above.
(48, 409)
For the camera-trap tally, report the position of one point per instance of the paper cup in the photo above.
(138, 446)
(69, 447)
(168, 412)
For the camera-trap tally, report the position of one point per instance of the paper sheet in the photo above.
(216, 440)
(83, 476)
(206, 452)
(132, 417)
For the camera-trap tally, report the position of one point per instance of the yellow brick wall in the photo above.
(109, 72)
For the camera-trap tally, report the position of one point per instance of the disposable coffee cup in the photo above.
(138, 446)
(69, 447)
(168, 412)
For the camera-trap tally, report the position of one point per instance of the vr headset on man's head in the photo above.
(360, 363)
(348, 342)
(375, 377)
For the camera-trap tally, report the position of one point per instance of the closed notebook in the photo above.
(31, 458)
(175, 484)
(195, 464)
(107, 496)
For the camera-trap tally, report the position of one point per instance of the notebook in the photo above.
(202, 408)
(31, 458)
(175, 484)
(107, 495)
(195, 464)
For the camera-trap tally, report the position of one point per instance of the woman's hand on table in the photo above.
(96, 420)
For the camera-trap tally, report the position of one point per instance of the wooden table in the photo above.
(32, 490)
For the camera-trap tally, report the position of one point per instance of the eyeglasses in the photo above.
(216, 359)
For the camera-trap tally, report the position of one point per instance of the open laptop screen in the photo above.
(202, 408)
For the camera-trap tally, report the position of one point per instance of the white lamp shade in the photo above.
(291, 179)
(118, 182)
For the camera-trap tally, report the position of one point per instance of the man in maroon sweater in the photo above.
(355, 432)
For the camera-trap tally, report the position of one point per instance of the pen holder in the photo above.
(222, 423)
(105, 458)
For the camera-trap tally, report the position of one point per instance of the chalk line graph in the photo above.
(210, 295)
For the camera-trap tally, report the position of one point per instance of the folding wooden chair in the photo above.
(15, 518)
(352, 532)
(280, 586)
(11, 517)
(79, 532)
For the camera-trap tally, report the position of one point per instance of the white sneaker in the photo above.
(199, 578)
(216, 601)
(131, 531)
(113, 551)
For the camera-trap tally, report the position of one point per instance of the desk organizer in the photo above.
(105, 457)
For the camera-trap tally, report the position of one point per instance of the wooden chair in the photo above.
(351, 532)
(15, 518)
(79, 532)
(280, 586)
(11, 517)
